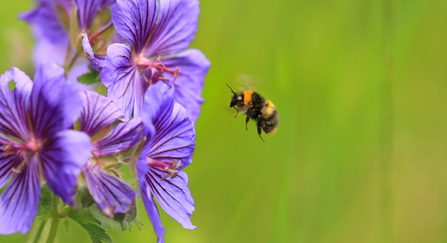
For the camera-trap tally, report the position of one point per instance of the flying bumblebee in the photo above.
(257, 108)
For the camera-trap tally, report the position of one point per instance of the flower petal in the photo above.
(152, 212)
(97, 61)
(174, 138)
(44, 46)
(174, 132)
(107, 3)
(142, 168)
(18, 203)
(141, 165)
(173, 195)
(54, 104)
(46, 24)
(98, 112)
(189, 84)
(8, 161)
(158, 101)
(121, 77)
(13, 104)
(87, 10)
(61, 159)
(135, 20)
(176, 27)
(52, 37)
(111, 194)
(122, 137)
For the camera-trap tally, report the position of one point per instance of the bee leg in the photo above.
(237, 112)
(246, 122)
(259, 133)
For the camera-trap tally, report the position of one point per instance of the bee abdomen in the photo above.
(269, 123)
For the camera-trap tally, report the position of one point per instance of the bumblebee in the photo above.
(257, 108)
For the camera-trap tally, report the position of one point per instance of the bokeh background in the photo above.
(361, 151)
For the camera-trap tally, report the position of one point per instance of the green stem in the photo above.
(39, 231)
(55, 206)
(70, 63)
(54, 221)
(53, 230)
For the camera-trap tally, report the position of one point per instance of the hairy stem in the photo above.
(54, 221)
(53, 230)
(70, 63)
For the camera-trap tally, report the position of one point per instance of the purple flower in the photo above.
(51, 21)
(51, 18)
(96, 60)
(168, 149)
(34, 122)
(111, 194)
(87, 10)
(159, 32)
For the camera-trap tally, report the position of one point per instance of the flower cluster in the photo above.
(69, 132)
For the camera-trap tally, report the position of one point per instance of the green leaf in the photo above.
(81, 216)
(126, 220)
(104, 221)
(90, 77)
(83, 197)
(46, 201)
(45, 216)
(97, 233)
(67, 225)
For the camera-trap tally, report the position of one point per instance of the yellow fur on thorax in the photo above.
(269, 109)
(247, 97)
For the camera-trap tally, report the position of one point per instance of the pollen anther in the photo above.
(157, 67)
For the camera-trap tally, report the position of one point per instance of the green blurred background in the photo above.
(360, 153)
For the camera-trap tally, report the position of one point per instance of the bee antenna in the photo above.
(231, 88)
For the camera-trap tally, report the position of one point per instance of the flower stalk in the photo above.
(54, 221)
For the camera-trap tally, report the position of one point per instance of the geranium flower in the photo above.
(168, 149)
(52, 25)
(50, 22)
(159, 32)
(111, 194)
(34, 136)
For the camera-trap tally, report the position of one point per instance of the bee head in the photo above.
(236, 98)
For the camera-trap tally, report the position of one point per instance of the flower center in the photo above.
(169, 168)
(157, 68)
(30, 146)
(25, 150)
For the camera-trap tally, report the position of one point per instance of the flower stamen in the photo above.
(16, 170)
(157, 67)
(171, 169)
(96, 154)
(12, 147)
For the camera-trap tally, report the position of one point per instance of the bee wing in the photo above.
(229, 110)
(248, 82)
